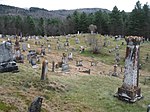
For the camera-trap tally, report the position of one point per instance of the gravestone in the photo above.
(58, 46)
(49, 48)
(24, 47)
(65, 67)
(79, 63)
(44, 69)
(82, 49)
(7, 63)
(70, 56)
(36, 105)
(147, 57)
(64, 59)
(18, 56)
(117, 58)
(93, 63)
(115, 73)
(77, 40)
(30, 54)
(122, 43)
(42, 50)
(33, 61)
(29, 46)
(53, 66)
(36, 42)
(130, 90)
(148, 108)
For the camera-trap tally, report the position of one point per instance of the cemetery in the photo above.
(63, 74)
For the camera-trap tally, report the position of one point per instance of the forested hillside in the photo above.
(37, 21)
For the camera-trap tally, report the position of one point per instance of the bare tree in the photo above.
(92, 28)
(95, 43)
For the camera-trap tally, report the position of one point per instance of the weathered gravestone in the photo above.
(44, 69)
(6, 58)
(36, 105)
(130, 90)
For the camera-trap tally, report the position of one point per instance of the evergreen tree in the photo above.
(83, 25)
(115, 22)
(136, 20)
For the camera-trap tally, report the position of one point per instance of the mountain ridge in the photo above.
(44, 13)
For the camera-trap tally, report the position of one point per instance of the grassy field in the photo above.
(72, 92)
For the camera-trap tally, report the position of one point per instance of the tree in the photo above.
(146, 27)
(136, 19)
(115, 22)
(92, 28)
(94, 43)
(40, 27)
(18, 25)
(83, 25)
(29, 26)
(76, 19)
(124, 18)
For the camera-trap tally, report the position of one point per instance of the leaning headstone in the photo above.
(130, 90)
(36, 105)
(44, 69)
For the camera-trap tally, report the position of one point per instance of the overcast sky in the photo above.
(126, 5)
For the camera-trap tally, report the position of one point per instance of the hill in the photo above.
(38, 12)
(74, 91)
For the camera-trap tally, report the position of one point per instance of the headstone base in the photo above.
(129, 95)
(8, 67)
